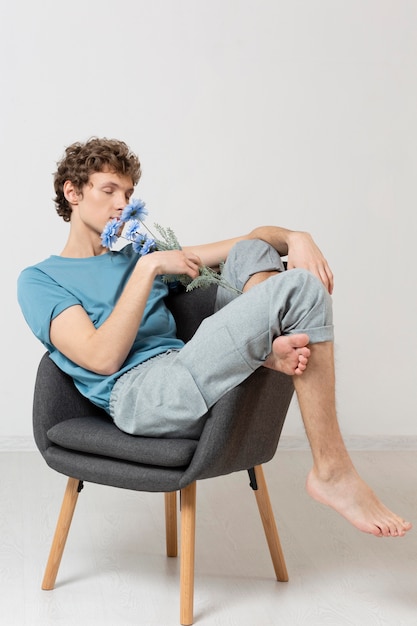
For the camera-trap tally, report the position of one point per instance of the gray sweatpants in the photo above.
(170, 394)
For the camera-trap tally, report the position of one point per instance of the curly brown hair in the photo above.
(80, 160)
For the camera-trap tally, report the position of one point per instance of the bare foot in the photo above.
(350, 496)
(289, 354)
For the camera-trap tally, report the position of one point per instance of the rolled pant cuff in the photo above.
(317, 335)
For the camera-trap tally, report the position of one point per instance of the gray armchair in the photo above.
(241, 433)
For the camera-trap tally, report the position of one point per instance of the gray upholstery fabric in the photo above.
(104, 471)
(81, 441)
(189, 309)
(244, 427)
(93, 435)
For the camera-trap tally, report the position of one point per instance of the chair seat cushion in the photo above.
(97, 436)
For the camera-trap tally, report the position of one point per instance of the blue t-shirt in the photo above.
(95, 283)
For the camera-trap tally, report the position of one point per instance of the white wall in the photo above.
(244, 112)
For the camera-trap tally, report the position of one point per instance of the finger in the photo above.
(193, 268)
(196, 259)
(325, 275)
(330, 279)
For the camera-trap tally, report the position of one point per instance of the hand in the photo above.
(303, 252)
(173, 262)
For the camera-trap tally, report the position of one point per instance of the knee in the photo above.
(307, 287)
(250, 256)
(254, 249)
(305, 280)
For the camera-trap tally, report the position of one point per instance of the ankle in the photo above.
(333, 470)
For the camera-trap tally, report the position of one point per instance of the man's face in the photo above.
(103, 198)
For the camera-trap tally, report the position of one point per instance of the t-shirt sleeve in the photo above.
(41, 300)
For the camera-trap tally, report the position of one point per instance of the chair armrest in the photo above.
(56, 399)
(244, 427)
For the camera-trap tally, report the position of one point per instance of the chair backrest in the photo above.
(190, 308)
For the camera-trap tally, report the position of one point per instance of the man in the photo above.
(101, 315)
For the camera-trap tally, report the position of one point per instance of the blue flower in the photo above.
(137, 243)
(148, 246)
(131, 230)
(110, 233)
(142, 244)
(135, 210)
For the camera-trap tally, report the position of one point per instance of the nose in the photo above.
(120, 200)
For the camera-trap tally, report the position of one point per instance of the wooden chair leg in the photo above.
(61, 533)
(171, 523)
(270, 528)
(188, 514)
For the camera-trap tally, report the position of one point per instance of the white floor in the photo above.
(114, 570)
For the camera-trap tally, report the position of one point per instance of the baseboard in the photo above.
(356, 442)
(17, 444)
(287, 442)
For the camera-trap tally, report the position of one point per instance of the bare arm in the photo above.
(103, 350)
(300, 247)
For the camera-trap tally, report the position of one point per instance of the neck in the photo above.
(83, 247)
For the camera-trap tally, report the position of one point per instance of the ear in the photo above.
(71, 193)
